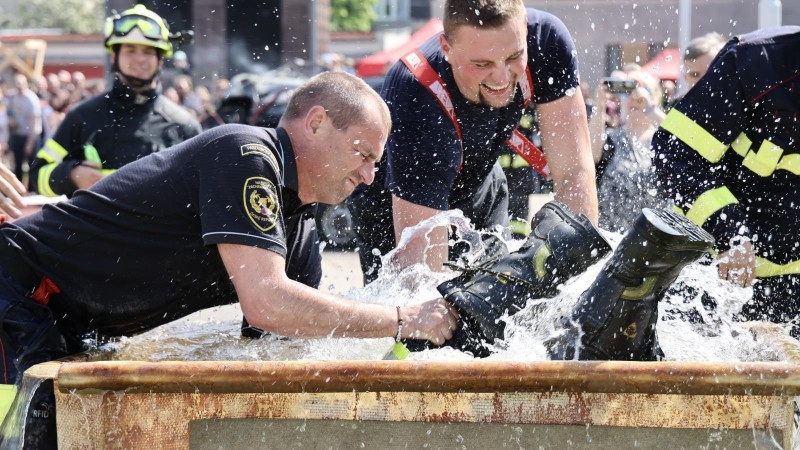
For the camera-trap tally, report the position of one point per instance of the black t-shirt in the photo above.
(138, 249)
(424, 152)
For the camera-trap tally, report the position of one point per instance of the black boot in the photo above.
(615, 318)
(559, 247)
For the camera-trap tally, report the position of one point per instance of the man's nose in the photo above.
(367, 172)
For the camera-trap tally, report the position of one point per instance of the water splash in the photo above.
(688, 330)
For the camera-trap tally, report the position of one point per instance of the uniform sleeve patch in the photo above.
(261, 202)
(261, 150)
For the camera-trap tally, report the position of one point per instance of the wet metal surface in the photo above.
(153, 405)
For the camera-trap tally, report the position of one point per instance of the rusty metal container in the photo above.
(426, 404)
(431, 404)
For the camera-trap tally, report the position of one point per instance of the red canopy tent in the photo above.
(665, 65)
(374, 65)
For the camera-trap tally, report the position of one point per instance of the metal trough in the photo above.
(426, 404)
(483, 404)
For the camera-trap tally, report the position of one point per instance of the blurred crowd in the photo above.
(31, 109)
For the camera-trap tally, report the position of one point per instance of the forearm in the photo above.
(297, 310)
(566, 141)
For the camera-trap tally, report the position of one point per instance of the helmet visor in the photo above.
(149, 27)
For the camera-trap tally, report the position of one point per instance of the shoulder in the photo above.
(542, 24)
(768, 36)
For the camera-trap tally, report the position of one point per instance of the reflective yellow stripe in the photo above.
(91, 154)
(766, 268)
(765, 160)
(504, 160)
(790, 163)
(520, 227)
(399, 352)
(107, 172)
(43, 182)
(539, 259)
(708, 203)
(518, 162)
(52, 152)
(741, 145)
(7, 394)
(641, 291)
(694, 136)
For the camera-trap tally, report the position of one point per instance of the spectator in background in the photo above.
(220, 87)
(188, 98)
(625, 178)
(25, 123)
(698, 56)
(80, 92)
(181, 63)
(670, 90)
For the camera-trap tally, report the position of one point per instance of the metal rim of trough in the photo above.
(685, 378)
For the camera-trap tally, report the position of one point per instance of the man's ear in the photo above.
(445, 46)
(314, 119)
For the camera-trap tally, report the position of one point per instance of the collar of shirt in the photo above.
(291, 199)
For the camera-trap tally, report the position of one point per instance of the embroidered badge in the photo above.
(261, 202)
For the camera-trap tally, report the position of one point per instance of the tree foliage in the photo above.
(352, 15)
(72, 16)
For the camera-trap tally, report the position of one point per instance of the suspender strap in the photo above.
(428, 77)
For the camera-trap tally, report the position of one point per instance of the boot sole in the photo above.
(673, 231)
(579, 222)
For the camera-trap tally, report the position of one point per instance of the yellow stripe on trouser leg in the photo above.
(766, 268)
(709, 203)
(7, 394)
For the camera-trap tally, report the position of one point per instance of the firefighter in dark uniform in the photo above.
(118, 127)
(728, 155)
(220, 218)
(494, 58)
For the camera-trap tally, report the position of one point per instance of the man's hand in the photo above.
(12, 190)
(434, 320)
(86, 174)
(738, 265)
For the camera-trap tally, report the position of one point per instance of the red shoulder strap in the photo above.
(425, 74)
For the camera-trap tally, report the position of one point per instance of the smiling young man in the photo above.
(116, 128)
(220, 218)
(452, 121)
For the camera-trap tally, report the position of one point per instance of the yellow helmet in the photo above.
(138, 25)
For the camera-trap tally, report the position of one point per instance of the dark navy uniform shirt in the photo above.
(139, 248)
(748, 104)
(423, 152)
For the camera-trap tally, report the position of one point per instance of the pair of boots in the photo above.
(614, 319)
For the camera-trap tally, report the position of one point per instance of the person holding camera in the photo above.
(113, 129)
(622, 155)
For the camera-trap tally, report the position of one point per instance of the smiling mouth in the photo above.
(494, 88)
